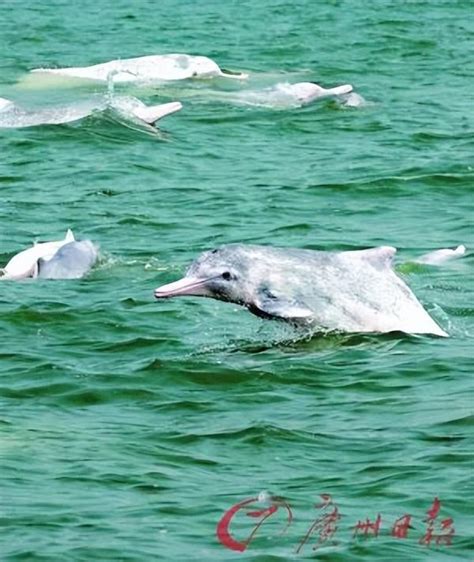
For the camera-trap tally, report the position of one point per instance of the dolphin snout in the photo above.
(186, 286)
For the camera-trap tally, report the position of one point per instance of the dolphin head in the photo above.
(203, 66)
(243, 274)
(306, 92)
(218, 273)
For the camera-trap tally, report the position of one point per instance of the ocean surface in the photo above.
(129, 426)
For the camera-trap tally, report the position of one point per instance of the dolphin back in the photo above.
(71, 261)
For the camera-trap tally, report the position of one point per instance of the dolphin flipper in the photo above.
(270, 304)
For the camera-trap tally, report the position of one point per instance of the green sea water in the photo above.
(128, 427)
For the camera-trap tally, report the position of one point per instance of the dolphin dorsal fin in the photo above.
(69, 236)
(380, 257)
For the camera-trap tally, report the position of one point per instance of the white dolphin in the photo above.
(126, 107)
(25, 263)
(438, 257)
(285, 95)
(71, 261)
(353, 291)
(61, 259)
(147, 69)
(306, 92)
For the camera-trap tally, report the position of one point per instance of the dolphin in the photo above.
(71, 261)
(285, 95)
(438, 257)
(306, 92)
(25, 263)
(129, 108)
(353, 291)
(61, 259)
(146, 69)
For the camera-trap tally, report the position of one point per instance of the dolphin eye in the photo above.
(227, 276)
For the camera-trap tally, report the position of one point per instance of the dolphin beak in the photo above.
(338, 90)
(186, 286)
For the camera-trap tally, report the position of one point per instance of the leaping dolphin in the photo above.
(354, 291)
(147, 69)
(61, 259)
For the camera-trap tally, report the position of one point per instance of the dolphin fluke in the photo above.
(152, 113)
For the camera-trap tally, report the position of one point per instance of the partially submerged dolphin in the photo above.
(354, 291)
(71, 261)
(438, 257)
(129, 108)
(147, 69)
(25, 263)
(60, 259)
(285, 95)
(306, 92)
